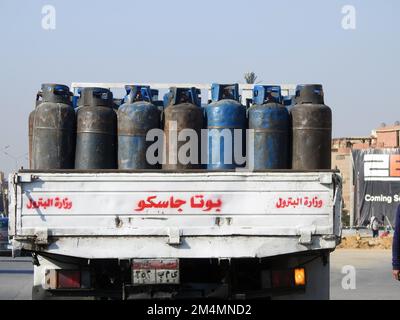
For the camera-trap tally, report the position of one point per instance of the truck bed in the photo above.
(156, 214)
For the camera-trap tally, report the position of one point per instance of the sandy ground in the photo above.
(366, 242)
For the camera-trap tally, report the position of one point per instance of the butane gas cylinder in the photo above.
(96, 142)
(312, 129)
(136, 117)
(270, 121)
(224, 116)
(182, 112)
(53, 134)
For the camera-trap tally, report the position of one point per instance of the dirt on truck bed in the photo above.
(366, 242)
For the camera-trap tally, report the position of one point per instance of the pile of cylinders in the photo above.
(95, 131)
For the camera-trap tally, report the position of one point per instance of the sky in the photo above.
(204, 41)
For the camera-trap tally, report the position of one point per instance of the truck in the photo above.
(5, 246)
(144, 234)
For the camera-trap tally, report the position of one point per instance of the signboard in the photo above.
(377, 184)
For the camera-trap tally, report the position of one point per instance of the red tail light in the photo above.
(282, 279)
(68, 279)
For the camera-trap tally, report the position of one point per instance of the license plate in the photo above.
(150, 271)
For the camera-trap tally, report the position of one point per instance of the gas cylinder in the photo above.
(271, 124)
(96, 141)
(182, 112)
(53, 134)
(312, 129)
(223, 116)
(135, 118)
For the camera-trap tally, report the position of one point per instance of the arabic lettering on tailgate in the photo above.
(306, 202)
(195, 202)
(44, 203)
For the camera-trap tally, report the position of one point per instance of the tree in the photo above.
(250, 77)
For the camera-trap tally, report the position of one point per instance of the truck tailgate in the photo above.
(156, 214)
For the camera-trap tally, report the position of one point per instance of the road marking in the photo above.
(16, 271)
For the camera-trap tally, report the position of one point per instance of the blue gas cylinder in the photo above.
(224, 115)
(271, 124)
(135, 118)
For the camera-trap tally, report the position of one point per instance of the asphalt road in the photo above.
(16, 278)
(373, 275)
(372, 270)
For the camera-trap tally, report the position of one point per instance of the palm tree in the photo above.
(250, 77)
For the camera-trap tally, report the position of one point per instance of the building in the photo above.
(342, 159)
(388, 137)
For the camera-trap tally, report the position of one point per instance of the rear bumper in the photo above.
(199, 278)
(188, 247)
